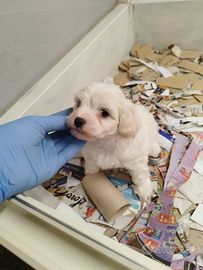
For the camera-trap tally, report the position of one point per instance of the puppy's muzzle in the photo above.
(79, 122)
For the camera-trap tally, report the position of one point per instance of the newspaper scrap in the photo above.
(197, 215)
(189, 249)
(125, 187)
(94, 216)
(66, 210)
(69, 197)
(182, 204)
(69, 191)
(199, 260)
(146, 209)
(193, 189)
(178, 151)
(157, 240)
(178, 111)
(164, 219)
(186, 262)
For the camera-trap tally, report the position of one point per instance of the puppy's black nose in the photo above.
(79, 122)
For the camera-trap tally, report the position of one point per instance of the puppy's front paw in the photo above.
(91, 168)
(144, 192)
(155, 151)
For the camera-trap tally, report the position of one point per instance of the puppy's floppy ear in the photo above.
(129, 122)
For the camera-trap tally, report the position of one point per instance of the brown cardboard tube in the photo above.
(108, 199)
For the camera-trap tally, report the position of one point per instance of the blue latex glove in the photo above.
(30, 156)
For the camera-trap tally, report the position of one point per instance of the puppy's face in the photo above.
(101, 110)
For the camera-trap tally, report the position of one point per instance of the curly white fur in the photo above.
(119, 134)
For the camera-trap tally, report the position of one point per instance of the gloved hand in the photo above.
(30, 156)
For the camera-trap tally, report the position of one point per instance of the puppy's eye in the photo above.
(104, 113)
(78, 103)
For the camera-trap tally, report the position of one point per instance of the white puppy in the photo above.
(119, 134)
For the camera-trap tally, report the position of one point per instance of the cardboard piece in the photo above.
(164, 51)
(134, 49)
(126, 63)
(123, 175)
(197, 85)
(143, 51)
(123, 67)
(194, 77)
(109, 201)
(149, 75)
(169, 60)
(133, 242)
(183, 102)
(191, 66)
(134, 69)
(133, 63)
(189, 54)
(178, 82)
(121, 78)
(196, 237)
(109, 232)
(153, 56)
(199, 98)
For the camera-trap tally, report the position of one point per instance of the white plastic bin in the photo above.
(39, 235)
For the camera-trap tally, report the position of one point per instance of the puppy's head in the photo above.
(101, 110)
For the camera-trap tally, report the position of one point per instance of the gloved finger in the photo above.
(70, 151)
(52, 122)
(63, 143)
(65, 112)
(59, 135)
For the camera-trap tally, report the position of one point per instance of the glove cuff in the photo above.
(3, 190)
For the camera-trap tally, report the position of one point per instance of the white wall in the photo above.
(35, 34)
(94, 58)
(158, 23)
(161, 23)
